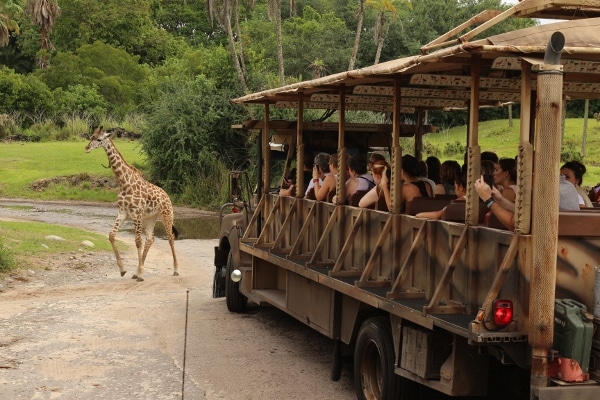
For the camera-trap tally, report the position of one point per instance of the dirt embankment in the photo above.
(72, 328)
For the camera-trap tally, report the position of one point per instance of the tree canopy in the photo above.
(175, 65)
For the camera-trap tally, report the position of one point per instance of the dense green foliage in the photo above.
(168, 69)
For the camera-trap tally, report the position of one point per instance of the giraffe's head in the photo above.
(99, 139)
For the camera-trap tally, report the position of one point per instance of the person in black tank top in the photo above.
(413, 187)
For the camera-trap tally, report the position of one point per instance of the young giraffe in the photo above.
(138, 200)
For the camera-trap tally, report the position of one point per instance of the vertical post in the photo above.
(525, 159)
(544, 228)
(300, 184)
(396, 184)
(342, 155)
(419, 135)
(266, 153)
(474, 152)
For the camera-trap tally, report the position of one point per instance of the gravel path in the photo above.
(72, 328)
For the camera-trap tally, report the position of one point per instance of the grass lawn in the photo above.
(497, 136)
(21, 164)
(22, 240)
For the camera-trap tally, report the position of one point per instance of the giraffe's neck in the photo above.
(123, 171)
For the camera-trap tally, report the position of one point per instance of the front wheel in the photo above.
(236, 302)
(374, 376)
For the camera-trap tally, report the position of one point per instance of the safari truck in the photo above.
(457, 307)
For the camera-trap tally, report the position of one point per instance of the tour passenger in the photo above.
(329, 181)
(288, 186)
(358, 177)
(423, 175)
(320, 167)
(374, 158)
(413, 186)
(434, 166)
(573, 172)
(568, 201)
(449, 171)
(382, 174)
(505, 177)
(460, 189)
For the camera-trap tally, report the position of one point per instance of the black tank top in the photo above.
(422, 187)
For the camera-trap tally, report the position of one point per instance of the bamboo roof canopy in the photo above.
(441, 76)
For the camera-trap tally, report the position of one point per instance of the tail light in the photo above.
(234, 210)
(503, 312)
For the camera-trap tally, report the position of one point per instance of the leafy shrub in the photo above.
(569, 152)
(44, 131)
(431, 149)
(184, 147)
(7, 260)
(456, 148)
(7, 126)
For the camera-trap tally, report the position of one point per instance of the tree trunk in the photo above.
(279, 41)
(234, 56)
(361, 14)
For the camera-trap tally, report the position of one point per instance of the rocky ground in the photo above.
(72, 328)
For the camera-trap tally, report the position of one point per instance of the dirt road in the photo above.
(72, 328)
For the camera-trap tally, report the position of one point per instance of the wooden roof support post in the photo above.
(474, 151)
(525, 159)
(544, 229)
(300, 147)
(396, 183)
(342, 153)
(266, 153)
(419, 135)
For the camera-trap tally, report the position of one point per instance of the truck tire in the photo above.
(236, 302)
(374, 376)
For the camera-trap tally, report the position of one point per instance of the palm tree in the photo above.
(361, 16)
(383, 8)
(8, 10)
(43, 13)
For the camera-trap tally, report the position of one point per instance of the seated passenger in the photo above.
(382, 176)
(573, 172)
(505, 177)
(412, 186)
(329, 181)
(449, 171)
(434, 166)
(288, 186)
(358, 177)
(568, 201)
(460, 189)
(423, 175)
(320, 167)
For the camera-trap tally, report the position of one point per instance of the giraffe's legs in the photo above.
(172, 244)
(167, 218)
(137, 224)
(111, 237)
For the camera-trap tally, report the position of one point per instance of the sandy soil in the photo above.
(72, 328)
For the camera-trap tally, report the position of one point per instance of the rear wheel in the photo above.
(374, 376)
(236, 302)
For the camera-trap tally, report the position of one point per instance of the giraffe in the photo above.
(138, 200)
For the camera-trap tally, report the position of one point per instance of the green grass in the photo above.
(21, 164)
(22, 241)
(497, 136)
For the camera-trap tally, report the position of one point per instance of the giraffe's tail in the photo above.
(175, 231)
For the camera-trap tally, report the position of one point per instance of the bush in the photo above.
(7, 260)
(8, 127)
(456, 148)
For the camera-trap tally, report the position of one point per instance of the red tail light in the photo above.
(234, 210)
(503, 312)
